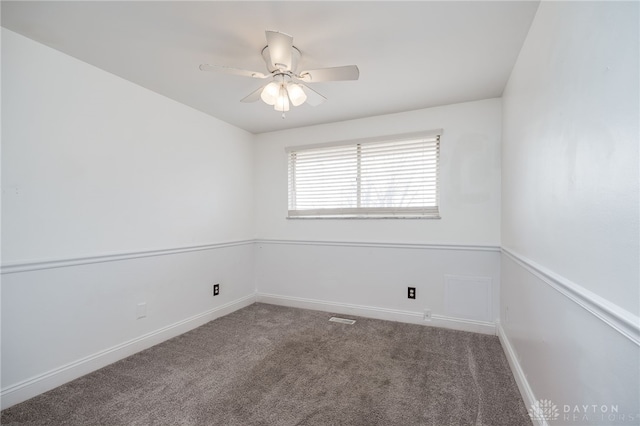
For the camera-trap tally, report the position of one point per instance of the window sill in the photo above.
(361, 217)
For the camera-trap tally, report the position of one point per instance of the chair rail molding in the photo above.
(468, 247)
(619, 319)
(35, 265)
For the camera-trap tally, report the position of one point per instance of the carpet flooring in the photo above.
(273, 365)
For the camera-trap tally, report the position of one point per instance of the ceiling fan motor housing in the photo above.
(295, 57)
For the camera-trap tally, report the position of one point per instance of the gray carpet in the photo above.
(271, 365)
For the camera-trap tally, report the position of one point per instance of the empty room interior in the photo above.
(200, 198)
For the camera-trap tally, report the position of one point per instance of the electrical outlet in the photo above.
(141, 310)
(216, 289)
(412, 293)
(427, 315)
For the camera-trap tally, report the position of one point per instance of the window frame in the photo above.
(423, 212)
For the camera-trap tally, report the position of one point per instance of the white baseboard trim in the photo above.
(518, 373)
(617, 318)
(378, 313)
(29, 388)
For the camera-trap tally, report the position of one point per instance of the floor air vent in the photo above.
(342, 320)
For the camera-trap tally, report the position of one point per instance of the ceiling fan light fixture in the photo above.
(282, 102)
(296, 94)
(286, 89)
(270, 93)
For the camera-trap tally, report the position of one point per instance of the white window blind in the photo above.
(389, 178)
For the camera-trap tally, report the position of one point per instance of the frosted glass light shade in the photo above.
(296, 94)
(282, 102)
(270, 93)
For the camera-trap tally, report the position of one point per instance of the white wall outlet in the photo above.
(141, 310)
(427, 315)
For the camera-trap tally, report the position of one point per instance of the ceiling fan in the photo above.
(287, 83)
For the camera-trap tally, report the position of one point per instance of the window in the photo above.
(390, 177)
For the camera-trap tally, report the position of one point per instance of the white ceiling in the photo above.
(411, 55)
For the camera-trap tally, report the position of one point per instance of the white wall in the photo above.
(570, 206)
(96, 164)
(371, 280)
(113, 195)
(96, 169)
(469, 178)
(365, 266)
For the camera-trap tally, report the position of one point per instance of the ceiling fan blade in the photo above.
(313, 98)
(254, 96)
(233, 71)
(280, 46)
(348, 72)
